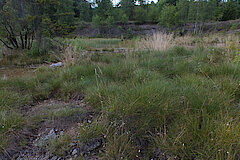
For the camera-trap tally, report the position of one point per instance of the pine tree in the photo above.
(128, 8)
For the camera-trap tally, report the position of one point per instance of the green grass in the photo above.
(190, 93)
(183, 101)
(95, 43)
(60, 146)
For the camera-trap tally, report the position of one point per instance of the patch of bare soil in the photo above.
(48, 121)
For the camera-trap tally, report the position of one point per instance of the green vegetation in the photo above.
(60, 146)
(184, 101)
(30, 22)
(97, 43)
(162, 94)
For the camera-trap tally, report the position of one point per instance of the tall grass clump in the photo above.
(69, 55)
(10, 119)
(157, 42)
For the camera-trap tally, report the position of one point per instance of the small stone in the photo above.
(54, 158)
(72, 144)
(74, 152)
(93, 144)
(51, 135)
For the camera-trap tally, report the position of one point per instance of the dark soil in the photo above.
(133, 29)
(43, 118)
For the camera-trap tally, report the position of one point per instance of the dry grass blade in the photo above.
(157, 42)
(69, 55)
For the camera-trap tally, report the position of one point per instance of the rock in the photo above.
(93, 144)
(74, 152)
(45, 140)
(54, 158)
(59, 64)
(51, 135)
(90, 147)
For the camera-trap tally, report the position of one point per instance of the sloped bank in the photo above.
(134, 29)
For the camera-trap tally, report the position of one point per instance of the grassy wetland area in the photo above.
(160, 97)
(119, 80)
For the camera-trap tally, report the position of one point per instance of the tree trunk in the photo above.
(195, 28)
(21, 38)
(30, 41)
(26, 39)
(14, 39)
(6, 44)
(11, 41)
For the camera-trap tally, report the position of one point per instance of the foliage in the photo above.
(230, 10)
(140, 14)
(124, 19)
(96, 20)
(128, 8)
(110, 21)
(104, 9)
(17, 25)
(169, 16)
(82, 10)
(183, 9)
(25, 21)
(153, 13)
(22, 21)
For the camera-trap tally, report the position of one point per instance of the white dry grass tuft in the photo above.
(160, 41)
(69, 55)
(157, 42)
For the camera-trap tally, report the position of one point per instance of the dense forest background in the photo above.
(23, 21)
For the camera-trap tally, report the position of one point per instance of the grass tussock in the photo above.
(163, 41)
(157, 42)
(69, 56)
(217, 40)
